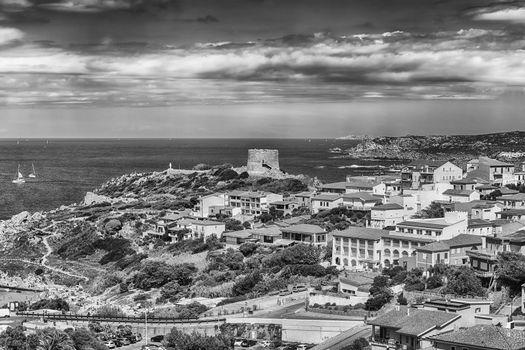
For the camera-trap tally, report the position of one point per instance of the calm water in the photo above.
(66, 169)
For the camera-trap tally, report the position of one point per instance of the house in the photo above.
(357, 247)
(362, 248)
(512, 214)
(426, 194)
(463, 191)
(450, 252)
(322, 202)
(267, 234)
(360, 201)
(479, 227)
(202, 208)
(207, 228)
(469, 309)
(406, 327)
(238, 237)
(513, 201)
(284, 207)
(420, 172)
(356, 285)
(252, 203)
(304, 198)
(224, 210)
(334, 187)
(479, 337)
(453, 224)
(483, 261)
(387, 215)
(478, 209)
(492, 170)
(305, 233)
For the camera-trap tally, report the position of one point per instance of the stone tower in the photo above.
(262, 160)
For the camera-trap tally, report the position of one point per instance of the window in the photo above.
(446, 255)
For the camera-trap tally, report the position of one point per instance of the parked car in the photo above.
(302, 347)
(125, 341)
(246, 343)
(265, 343)
(157, 338)
(238, 342)
(284, 292)
(110, 344)
(117, 342)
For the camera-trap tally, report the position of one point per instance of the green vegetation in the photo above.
(181, 341)
(510, 271)
(49, 339)
(52, 304)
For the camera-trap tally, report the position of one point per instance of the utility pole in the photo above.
(146, 324)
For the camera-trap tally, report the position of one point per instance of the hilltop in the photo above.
(505, 145)
(97, 251)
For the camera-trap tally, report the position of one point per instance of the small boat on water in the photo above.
(33, 173)
(19, 177)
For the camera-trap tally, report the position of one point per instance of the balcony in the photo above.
(390, 344)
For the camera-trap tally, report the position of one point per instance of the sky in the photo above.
(260, 68)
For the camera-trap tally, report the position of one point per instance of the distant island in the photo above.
(504, 145)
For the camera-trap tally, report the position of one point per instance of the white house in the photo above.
(202, 208)
(453, 224)
(322, 202)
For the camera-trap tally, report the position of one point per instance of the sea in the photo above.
(67, 168)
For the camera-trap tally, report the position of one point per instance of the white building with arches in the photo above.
(361, 248)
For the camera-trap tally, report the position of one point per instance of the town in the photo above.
(425, 255)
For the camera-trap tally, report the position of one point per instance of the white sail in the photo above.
(33, 174)
(19, 177)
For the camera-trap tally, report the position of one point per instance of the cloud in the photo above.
(503, 11)
(469, 63)
(8, 35)
(94, 6)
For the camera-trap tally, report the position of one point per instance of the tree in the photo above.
(510, 271)
(54, 339)
(402, 300)
(380, 282)
(464, 282)
(179, 340)
(192, 310)
(171, 291)
(248, 248)
(378, 300)
(358, 344)
(13, 338)
(434, 210)
(434, 281)
(109, 311)
(84, 339)
(246, 284)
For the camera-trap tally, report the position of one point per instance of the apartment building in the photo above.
(453, 224)
(493, 170)
(252, 203)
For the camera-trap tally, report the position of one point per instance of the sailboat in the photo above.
(19, 178)
(33, 173)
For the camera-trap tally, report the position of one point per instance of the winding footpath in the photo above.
(44, 262)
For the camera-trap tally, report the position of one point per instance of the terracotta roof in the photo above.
(410, 237)
(304, 228)
(415, 322)
(466, 181)
(478, 223)
(364, 196)
(389, 206)
(435, 247)
(518, 197)
(238, 234)
(484, 336)
(361, 233)
(335, 185)
(461, 240)
(326, 197)
(424, 223)
(506, 190)
(462, 193)
(207, 223)
(512, 212)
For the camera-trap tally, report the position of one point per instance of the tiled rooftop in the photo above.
(484, 336)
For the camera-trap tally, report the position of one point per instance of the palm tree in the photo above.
(54, 339)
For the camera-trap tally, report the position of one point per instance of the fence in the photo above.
(119, 319)
(432, 295)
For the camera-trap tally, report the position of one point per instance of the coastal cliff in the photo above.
(505, 145)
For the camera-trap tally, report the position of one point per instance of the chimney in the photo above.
(483, 242)
(408, 312)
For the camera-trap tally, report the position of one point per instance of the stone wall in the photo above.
(262, 160)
